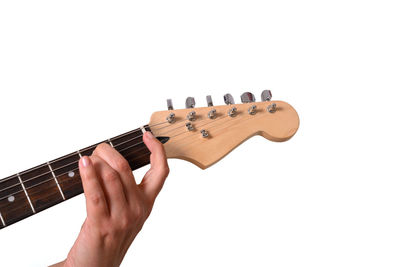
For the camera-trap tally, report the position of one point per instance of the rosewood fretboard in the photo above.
(36, 189)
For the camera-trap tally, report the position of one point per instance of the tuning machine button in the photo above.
(191, 116)
(266, 95)
(169, 104)
(228, 99)
(190, 103)
(209, 101)
(247, 97)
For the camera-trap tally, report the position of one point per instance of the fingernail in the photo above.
(85, 161)
(150, 135)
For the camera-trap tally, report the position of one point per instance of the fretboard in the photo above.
(31, 191)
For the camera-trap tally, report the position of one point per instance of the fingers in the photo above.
(113, 158)
(154, 179)
(96, 204)
(111, 184)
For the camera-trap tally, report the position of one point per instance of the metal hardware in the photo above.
(271, 108)
(266, 95)
(171, 117)
(191, 116)
(247, 97)
(228, 99)
(204, 133)
(212, 114)
(190, 103)
(189, 126)
(209, 101)
(232, 112)
(169, 104)
(252, 110)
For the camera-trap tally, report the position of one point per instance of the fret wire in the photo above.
(79, 153)
(109, 141)
(55, 178)
(26, 193)
(2, 220)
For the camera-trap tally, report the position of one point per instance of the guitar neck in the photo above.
(31, 191)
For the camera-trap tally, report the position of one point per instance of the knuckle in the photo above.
(139, 212)
(95, 199)
(100, 148)
(110, 176)
(163, 171)
(126, 222)
(122, 165)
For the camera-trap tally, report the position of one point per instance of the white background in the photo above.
(76, 72)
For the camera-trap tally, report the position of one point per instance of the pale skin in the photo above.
(116, 205)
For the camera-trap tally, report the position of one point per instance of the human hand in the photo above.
(116, 206)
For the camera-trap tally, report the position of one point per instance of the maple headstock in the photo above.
(205, 135)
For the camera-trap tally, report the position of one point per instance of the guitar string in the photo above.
(45, 181)
(64, 166)
(83, 150)
(129, 153)
(50, 179)
(75, 153)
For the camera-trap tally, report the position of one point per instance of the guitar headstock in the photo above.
(204, 135)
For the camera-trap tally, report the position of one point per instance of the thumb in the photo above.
(154, 179)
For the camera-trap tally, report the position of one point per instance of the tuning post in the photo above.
(232, 112)
(212, 114)
(252, 109)
(271, 108)
(191, 116)
(204, 133)
(171, 117)
(189, 126)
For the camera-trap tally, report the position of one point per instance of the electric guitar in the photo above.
(200, 135)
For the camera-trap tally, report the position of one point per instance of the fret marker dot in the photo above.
(71, 174)
(11, 199)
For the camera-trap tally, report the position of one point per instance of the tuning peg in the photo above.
(228, 99)
(169, 104)
(209, 101)
(266, 95)
(247, 97)
(190, 103)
